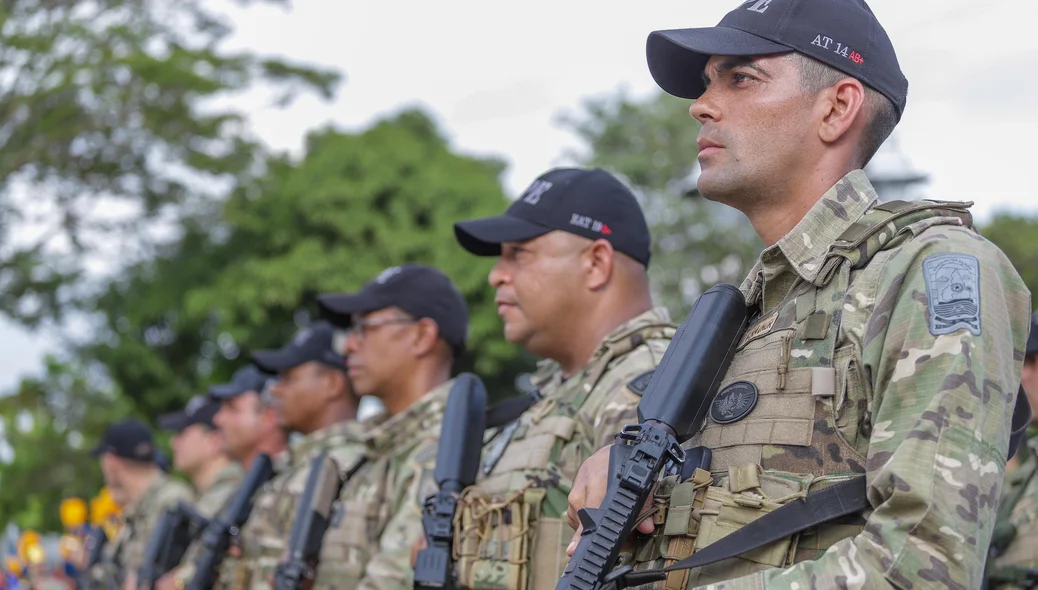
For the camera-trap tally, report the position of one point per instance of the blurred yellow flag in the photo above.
(73, 513)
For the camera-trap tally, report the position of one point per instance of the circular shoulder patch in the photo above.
(734, 402)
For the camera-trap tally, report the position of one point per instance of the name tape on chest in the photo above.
(952, 293)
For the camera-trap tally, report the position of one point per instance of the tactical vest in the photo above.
(516, 515)
(367, 502)
(810, 424)
(265, 536)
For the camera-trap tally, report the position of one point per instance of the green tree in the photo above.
(247, 278)
(651, 143)
(50, 424)
(113, 115)
(1017, 235)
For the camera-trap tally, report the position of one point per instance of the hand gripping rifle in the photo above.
(95, 546)
(673, 408)
(216, 538)
(178, 526)
(312, 518)
(457, 461)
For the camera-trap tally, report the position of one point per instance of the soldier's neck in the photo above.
(580, 344)
(777, 210)
(335, 413)
(207, 473)
(426, 377)
(137, 484)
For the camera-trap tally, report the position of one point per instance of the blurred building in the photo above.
(893, 175)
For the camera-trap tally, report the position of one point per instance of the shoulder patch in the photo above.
(953, 293)
(639, 384)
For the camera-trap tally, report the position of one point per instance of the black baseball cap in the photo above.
(844, 34)
(1032, 338)
(589, 203)
(421, 291)
(200, 409)
(311, 344)
(129, 439)
(246, 379)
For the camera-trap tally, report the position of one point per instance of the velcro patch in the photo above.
(639, 384)
(953, 293)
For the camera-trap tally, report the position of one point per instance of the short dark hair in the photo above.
(816, 76)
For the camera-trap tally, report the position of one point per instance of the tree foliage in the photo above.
(1017, 236)
(651, 143)
(111, 118)
(354, 205)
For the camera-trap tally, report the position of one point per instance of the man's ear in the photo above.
(426, 336)
(598, 264)
(843, 107)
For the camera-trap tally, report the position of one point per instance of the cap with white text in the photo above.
(311, 344)
(200, 409)
(589, 203)
(844, 34)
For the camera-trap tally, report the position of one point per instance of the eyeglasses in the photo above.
(360, 328)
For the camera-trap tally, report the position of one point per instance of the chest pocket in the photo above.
(784, 409)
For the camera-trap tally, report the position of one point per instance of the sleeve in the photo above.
(944, 376)
(617, 405)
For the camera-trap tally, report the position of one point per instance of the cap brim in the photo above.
(225, 391)
(276, 361)
(677, 57)
(483, 237)
(173, 422)
(338, 307)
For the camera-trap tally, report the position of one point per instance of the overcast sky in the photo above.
(496, 75)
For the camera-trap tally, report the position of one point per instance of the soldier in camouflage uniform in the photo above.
(1014, 548)
(250, 426)
(128, 462)
(886, 339)
(572, 287)
(314, 398)
(198, 451)
(406, 328)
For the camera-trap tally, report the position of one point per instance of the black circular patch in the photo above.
(734, 402)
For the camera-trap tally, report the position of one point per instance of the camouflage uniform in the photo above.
(126, 553)
(208, 505)
(220, 490)
(889, 343)
(264, 538)
(1019, 510)
(529, 465)
(378, 520)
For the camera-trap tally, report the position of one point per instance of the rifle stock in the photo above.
(177, 528)
(457, 461)
(673, 408)
(216, 538)
(311, 522)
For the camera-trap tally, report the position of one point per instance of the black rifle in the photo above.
(178, 526)
(95, 546)
(216, 537)
(312, 518)
(673, 408)
(457, 461)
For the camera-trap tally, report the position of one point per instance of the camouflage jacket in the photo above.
(125, 555)
(210, 502)
(529, 465)
(378, 519)
(892, 350)
(264, 538)
(1021, 485)
(219, 492)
